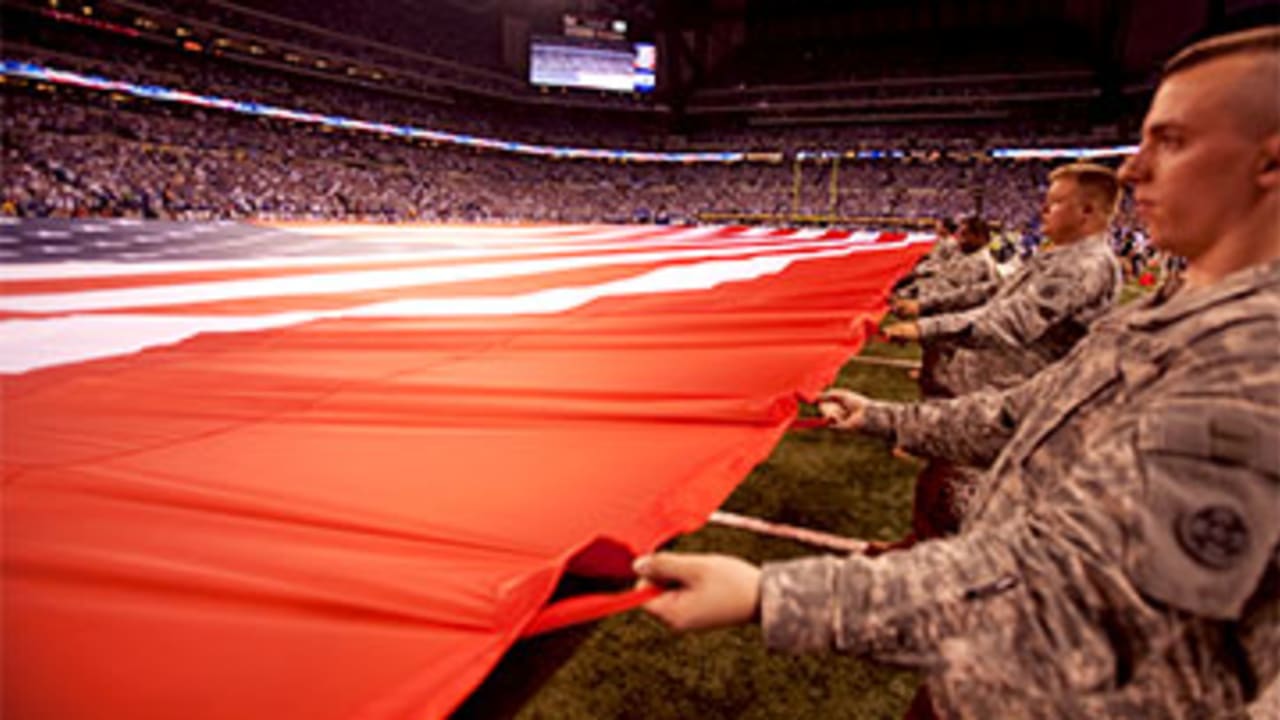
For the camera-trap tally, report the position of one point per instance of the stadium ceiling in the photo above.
(743, 62)
(1130, 36)
(1120, 42)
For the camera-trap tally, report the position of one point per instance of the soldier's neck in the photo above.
(1250, 243)
(1084, 234)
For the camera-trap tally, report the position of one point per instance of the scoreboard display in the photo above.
(561, 61)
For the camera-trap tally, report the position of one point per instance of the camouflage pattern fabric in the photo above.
(1122, 556)
(1033, 320)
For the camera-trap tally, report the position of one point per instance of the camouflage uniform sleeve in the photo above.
(967, 280)
(955, 275)
(1042, 565)
(899, 607)
(1020, 319)
(934, 298)
(1172, 511)
(971, 429)
(933, 261)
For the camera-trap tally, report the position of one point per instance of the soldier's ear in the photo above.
(1269, 163)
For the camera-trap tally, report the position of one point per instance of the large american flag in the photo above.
(327, 470)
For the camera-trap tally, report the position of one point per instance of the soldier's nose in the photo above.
(1131, 169)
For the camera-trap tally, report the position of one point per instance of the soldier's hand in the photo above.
(706, 591)
(903, 331)
(842, 409)
(904, 307)
(900, 454)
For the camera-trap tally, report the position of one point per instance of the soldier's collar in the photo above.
(1080, 244)
(1187, 301)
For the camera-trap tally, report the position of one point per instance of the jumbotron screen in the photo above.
(594, 64)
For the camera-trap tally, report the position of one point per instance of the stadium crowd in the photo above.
(79, 153)
(249, 53)
(72, 153)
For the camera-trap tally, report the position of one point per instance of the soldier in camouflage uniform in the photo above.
(965, 263)
(1033, 320)
(946, 247)
(1037, 315)
(965, 279)
(1123, 557)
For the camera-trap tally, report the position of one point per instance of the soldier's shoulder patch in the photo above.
(1215, 536)
(1203, 525)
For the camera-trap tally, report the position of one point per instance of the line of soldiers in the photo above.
(981, 333)
(1119, 553)
(978, 332)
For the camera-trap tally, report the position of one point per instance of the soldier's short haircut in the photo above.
(1099, 182)
(1261, 40)
(1257, 94)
